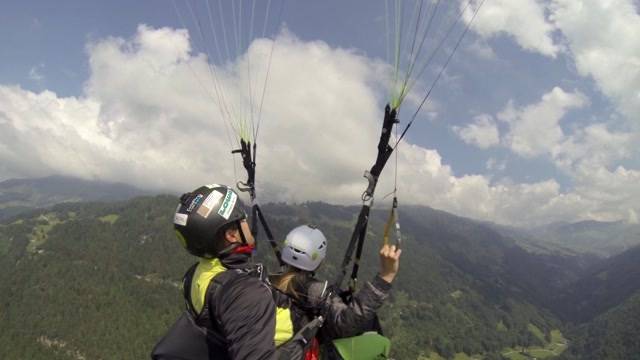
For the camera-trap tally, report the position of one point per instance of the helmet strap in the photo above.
(238, 248)
(245, 248)
(242, 237)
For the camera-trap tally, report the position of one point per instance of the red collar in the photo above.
(244, 249)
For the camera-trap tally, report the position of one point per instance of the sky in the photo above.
(533, 121)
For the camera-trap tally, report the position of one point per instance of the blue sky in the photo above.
(534, 120)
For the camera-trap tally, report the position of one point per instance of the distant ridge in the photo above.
(599, 238)
(20, 195)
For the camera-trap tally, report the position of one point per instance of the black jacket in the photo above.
(242, 312)
(342, 319)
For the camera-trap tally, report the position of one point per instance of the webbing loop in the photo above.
(257, 216)
(358, 236)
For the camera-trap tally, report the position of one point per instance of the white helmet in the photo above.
(304, 248)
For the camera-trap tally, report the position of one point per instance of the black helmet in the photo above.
(202, 214)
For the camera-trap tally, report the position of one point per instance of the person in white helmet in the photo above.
(304, 249)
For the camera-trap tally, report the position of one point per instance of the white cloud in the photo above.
(524, 20)
(633, 217)
(424, 179)
(483, 132)
(482, 50)
(35, 73)
(603, 39)
(494, 164)
(145, 119)
(594, 146)
(590, 156)
(535, 129)
(614, 192)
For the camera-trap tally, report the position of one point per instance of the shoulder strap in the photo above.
(217, 283)
(217, 280)
(186, 288)
(216, 286)
(200, 319)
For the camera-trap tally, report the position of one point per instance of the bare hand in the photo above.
(389, 262)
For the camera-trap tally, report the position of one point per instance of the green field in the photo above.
(536, 332)
(111, 219)
(551, 349)
(38, 236)
(458, 356)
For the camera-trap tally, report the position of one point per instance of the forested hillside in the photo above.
(612, 335)
(101, 281)
(605, 286)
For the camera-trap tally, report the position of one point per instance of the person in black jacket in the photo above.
(303, 250)
(224, 291)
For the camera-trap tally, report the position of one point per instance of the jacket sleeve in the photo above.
(247, 316)
(346, 320)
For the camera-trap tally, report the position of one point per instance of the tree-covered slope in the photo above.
(612, 335)
(99, 284)
(605, 286)
(99, 280)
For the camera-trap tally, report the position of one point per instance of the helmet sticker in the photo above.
(180, 219)
(195, 203)
(213, 186)
(228, 204)
(205, 209)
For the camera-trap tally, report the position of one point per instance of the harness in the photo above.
(204, 318)
(196, 336)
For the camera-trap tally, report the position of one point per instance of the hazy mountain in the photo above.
(529, 240)
(20, 195)
(592, 237)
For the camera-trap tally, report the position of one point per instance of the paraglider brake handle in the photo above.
(367, 195)
(243, 186)
(250, 166)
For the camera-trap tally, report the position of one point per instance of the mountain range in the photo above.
(101, 280)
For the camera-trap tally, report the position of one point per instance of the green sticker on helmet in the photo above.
(228, 204)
